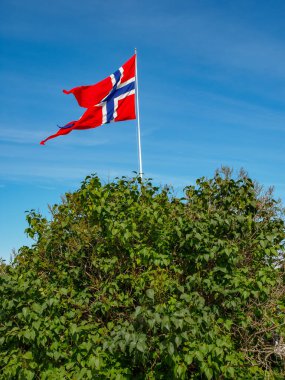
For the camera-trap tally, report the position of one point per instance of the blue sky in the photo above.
(212, 93)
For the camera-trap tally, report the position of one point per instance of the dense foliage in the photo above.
(128, 281)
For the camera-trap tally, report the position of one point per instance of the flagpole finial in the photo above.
(135, 50)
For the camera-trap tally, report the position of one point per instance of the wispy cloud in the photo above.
(29, 136)
(21, 136)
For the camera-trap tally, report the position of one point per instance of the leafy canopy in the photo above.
(128, 281)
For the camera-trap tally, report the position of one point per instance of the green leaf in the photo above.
(208, 372)
(94, 362)
(37, 308)
(188, 359)
(138, 310)
(199, 356)
(178, 340)
(231, 372)
(28, 355)
(165, 323)
(141, 346)
(150, 293)
(170, 349)
(180, 371)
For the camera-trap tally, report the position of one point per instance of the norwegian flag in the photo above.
(112, 99)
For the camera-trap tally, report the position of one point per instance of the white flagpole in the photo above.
(138, 119)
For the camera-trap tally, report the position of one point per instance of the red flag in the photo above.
(112, 99)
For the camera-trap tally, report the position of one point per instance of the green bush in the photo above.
(128, 281)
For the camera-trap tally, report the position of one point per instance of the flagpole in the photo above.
(138, 119)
